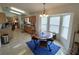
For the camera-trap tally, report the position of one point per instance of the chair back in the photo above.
(34, 37)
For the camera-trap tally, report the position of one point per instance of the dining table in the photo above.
(43, 37)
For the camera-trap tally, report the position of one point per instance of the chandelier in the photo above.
(44, 11)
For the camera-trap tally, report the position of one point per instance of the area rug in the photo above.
(44, 50)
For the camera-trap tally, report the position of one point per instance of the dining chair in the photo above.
(35, 40)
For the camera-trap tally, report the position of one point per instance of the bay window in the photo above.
(57, 24)
(65, 26)
(54, 23)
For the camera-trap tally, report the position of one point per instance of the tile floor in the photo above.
(17, 45)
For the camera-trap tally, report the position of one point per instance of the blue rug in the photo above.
(43, 51)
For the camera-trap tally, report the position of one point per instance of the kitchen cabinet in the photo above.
(30, 28)
(2, 18)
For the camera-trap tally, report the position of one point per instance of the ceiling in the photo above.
(31, 7)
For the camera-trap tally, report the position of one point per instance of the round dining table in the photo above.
(44, 37)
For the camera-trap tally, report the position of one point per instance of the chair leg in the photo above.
(35, 44)
(49, 48)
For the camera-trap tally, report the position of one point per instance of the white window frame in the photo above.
(41, 24)
(69, 28)
(53, 25)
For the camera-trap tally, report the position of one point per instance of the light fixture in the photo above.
(15, 12)
(16, 9)
(44, 11)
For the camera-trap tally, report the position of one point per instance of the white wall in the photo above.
(1, 9)
(20, 21)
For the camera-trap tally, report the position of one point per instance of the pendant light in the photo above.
(44, 11)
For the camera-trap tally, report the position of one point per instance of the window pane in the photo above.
(54, 29)
(43, 20)
(43, 28)
(43, 24)
(66, 20)
(54, 24)
(55, 20)
(64, 32)
(65, 26)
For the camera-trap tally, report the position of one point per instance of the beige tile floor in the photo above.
(17, 45)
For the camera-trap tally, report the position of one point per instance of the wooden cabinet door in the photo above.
(2, 18)
(32, 20)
